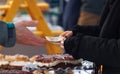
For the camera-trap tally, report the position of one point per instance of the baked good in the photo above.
(17, 61)
(16, 57)
(58, 60)
(17, 64)
(4, 64)
(1, 57)
(33, 58)
(58, 64)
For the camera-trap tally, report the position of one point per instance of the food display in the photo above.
(44, 64)
(13, 61)
(55, 61)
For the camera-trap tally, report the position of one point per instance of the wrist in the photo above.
(11, 34)
(7, 33)
(10, 25)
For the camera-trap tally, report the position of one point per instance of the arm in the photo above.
(24, 36)
(18, 32)
(88, 30)
(7, 34)
(99, 50)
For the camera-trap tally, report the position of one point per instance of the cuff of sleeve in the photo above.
(72, 45)
(88, 30)
(68, 44)
(78, 29)
(11, 35)
(10, 25)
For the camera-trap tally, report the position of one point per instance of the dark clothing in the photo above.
(71, 14)
(7, 35)
(93, 6)
(74, 7)
(100, 44)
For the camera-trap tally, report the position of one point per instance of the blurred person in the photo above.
(99, 43)
(10, 33)
(62, 6)
(53, 3)
(90, 12)
(71, 14)
(82, 12)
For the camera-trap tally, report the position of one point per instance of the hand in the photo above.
(61, 44)
(25, 36)
(67, 34)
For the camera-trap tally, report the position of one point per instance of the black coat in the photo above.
(100, 44)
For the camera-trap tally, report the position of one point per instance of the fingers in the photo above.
(38, 39)
(60, 44)
(67, 34)
(32, 41)
(35, 39)
(30, 23)
(26, 37)
(27, 23)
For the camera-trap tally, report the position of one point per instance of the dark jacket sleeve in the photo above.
(99, 50)
(88, 30)
(7, 35)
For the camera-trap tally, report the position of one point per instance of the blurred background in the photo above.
(52, 16)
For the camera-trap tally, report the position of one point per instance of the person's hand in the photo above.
(67, 34)
(61, 44)
(25, 36)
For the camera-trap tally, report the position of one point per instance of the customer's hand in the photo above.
(25, 36)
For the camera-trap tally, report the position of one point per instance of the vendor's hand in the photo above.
(61, 44)
(67, 34)
(25, 36)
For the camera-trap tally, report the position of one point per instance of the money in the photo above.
(55, 39)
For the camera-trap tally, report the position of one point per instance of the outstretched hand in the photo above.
(25, 36)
